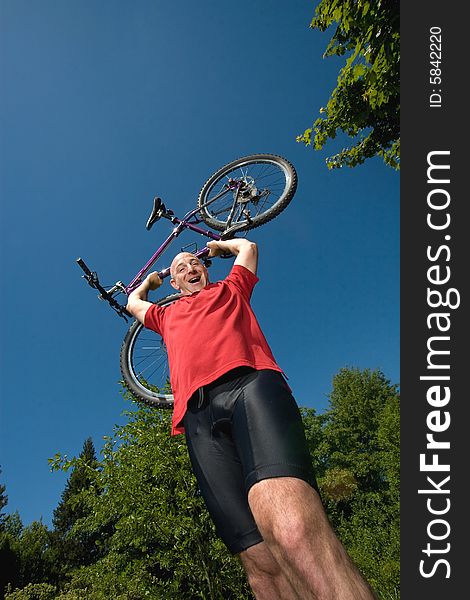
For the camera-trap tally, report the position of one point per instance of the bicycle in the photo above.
(244, 194)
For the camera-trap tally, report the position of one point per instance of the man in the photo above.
(244, 432)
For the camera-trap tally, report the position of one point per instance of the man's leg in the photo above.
(294, 525)
(221, 480)
(265, 576)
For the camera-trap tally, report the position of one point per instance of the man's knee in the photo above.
(258, 562)
(265, 575)
(287, 511)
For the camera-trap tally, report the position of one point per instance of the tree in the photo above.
(9, 561)
(69, 508)
(71, 549)
(3, 502)
(356, 457)
(24, 555)
(32, 550)
(10, 528)
(33, 591)
(42, 559)
(365, 105)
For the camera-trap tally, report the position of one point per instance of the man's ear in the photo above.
(174, 284)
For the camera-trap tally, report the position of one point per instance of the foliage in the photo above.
(78, 549)
(365, 105)
(9, 573)
(34, 556)
(357, 461)
(24, 554)
(82, 477)
(32, 552)
(3, 501)
(33, 591)
(12, 524)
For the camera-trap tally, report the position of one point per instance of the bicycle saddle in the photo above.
(157, 210)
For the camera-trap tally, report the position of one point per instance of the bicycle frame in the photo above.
(189, 221)
(181, 225)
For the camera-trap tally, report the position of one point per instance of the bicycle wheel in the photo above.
(247, 192)
(144, 363)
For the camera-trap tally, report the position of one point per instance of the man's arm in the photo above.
(246, 252)
(137, 303)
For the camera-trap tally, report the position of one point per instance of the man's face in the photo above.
(188, 274)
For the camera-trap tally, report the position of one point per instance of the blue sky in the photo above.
(104, 105)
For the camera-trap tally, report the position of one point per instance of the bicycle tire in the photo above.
(144, 363)
(263, 169)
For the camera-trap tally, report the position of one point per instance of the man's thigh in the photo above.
(247, 429)
(268, 432)
(219, 473)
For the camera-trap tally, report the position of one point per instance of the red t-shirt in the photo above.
(209, 333)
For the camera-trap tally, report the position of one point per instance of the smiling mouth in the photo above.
(195, 279)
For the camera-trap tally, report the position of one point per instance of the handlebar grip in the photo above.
(83, 266)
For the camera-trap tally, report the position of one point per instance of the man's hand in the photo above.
(137, 303)
(246, 252)
(215, 250)
(154, 281)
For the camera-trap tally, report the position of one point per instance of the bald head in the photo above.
(188, 274)
(181, 258)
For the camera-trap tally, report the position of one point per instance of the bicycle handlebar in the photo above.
(83, 266)
(93, 281)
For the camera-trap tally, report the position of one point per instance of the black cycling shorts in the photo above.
(240, 429)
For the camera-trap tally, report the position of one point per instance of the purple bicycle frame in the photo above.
(181, 224)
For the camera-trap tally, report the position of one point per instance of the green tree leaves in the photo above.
(3, 501)
(357, 461)
(365, 105)
(74, 550)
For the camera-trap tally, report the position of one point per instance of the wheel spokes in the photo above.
(150, 364)
(266, 181)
